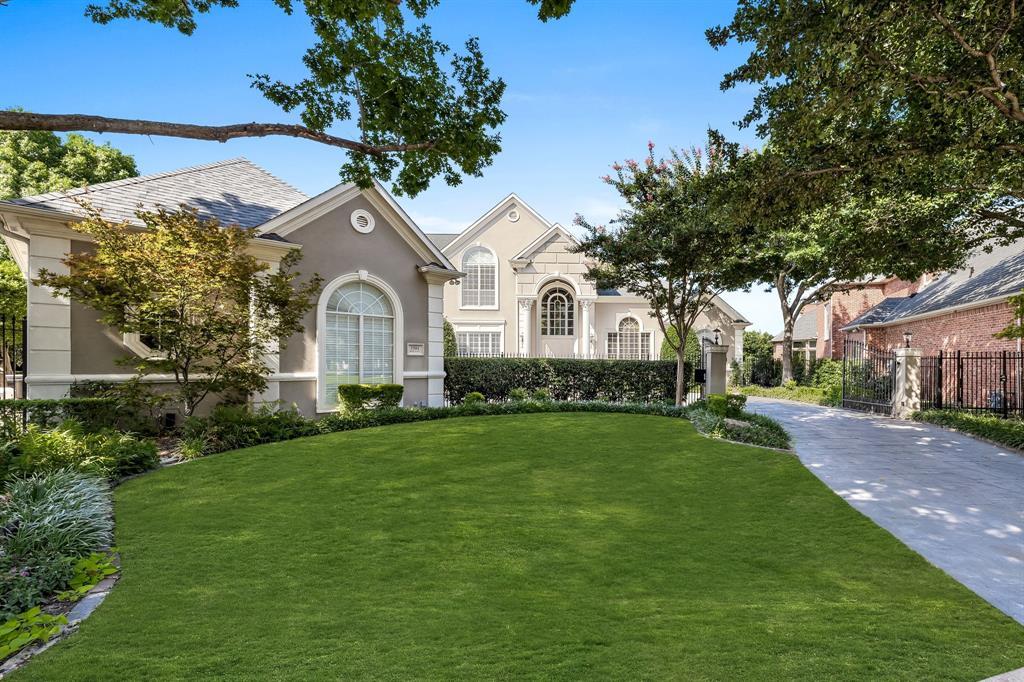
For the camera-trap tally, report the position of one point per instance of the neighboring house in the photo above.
(525, 293)
(378, 318)
(818, 331)
(960, 310)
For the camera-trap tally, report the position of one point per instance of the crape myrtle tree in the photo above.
(409, 107)
(669, 244)
(190, 290)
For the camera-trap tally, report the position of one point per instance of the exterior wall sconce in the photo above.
(907, 337)
(718, 336)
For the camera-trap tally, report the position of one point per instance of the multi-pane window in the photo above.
(629, 343)
(359, 333)
(556, 313)
(479, 343)
(480, 285)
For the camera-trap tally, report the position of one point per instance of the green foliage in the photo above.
(28, 581)
(828, 376)
(671, 342)
(31, 627)
(793, 391)
(565, 379)
(229, 427)
(451, 344)
(13, 295)
(1014, 330)
(726, 404)
(64, 513)
(518, 394)
(1008, 432)
(670, 245)
(37, 162)
(89, 570)
(540, 395)
(357, 397)
(69, 445)
(756, 430)
(137, 406)
(473, 398)
(92, 413)
(190, 284)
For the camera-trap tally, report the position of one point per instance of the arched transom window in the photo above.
(556, 313)
(628, 342)
(480, 286)
(359, 338)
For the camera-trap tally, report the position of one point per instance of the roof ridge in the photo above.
(138, 179)
(270, 175)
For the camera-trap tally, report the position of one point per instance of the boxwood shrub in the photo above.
(638, 381)
(356, 397)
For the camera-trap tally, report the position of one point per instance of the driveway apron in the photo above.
(957, 501)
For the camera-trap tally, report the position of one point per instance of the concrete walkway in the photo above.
(957, 501)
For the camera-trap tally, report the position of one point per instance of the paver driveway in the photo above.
(957, 501)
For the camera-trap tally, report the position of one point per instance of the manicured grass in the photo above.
(543, 546)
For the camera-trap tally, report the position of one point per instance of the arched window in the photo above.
(480, 286)
(359, 338)
(556, 313)
(629, 343)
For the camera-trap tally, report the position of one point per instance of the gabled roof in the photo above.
(442, 239)
(467, 235)
(804, 329)
(986, 278)
(235, 192)
(309, 210)
(538, 243)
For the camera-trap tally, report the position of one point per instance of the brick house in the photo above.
(960, 310)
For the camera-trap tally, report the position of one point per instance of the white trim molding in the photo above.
(398, 366)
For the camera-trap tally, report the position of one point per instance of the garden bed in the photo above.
(1008, 432)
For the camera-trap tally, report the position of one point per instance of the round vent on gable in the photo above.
(362, 221)
(513, 215)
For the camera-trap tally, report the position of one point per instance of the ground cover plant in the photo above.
(791, 391)
(556, 546)
(1008, 432)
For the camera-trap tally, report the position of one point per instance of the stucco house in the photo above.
(525, 293)
(378, 316)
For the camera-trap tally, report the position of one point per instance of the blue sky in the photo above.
(582, 92)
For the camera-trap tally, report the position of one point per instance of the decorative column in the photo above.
(525, 315)
(49, 322)
(584, 333)
(906, 398)
(716, 366)
(738, 343)
(271, 395)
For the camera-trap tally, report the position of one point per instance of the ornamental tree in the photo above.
(670, 245)
(417, 109)
(192, 292)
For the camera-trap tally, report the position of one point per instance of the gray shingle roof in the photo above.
(804, 329)
(986, 276)
(235, 192)
(442, 239)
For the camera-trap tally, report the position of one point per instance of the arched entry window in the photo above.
(557, 313)
(359, 338)
(480, 286)
(629, 343)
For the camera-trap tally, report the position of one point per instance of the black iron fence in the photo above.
(985, 382)
(869, 377)
(14, 356)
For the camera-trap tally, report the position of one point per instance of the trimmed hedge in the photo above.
(803, 394)
(356, 397)
(93, 414)
(633, 381)
(1008, 432)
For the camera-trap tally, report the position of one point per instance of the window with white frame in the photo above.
(557, 313)
(480, 285)
(359, 338)
(629, 343)
(479, 343)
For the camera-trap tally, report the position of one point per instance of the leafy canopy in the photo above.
(189, 288)
(40, 161)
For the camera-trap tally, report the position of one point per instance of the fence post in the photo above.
(1004, 384)
(907, 395)
(938, 381)
(715, 367)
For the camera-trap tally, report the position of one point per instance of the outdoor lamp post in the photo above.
(907, 336)
(718, 333)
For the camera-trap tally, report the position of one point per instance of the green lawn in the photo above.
(546, 546)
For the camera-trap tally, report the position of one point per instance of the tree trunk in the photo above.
(681, 373)
(787, 351)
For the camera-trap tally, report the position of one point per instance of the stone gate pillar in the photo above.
(906, 398)
(716, 366)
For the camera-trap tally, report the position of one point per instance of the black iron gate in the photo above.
(869, 377)
(696, 377)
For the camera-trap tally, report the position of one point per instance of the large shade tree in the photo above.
(411, 108)
(669, 244)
